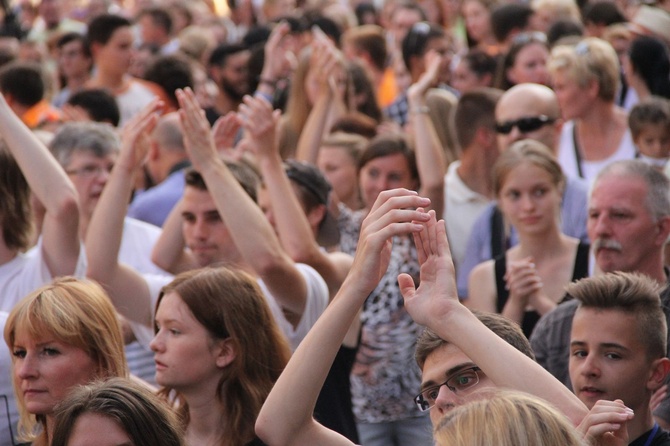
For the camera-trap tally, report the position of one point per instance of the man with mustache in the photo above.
(628, 223)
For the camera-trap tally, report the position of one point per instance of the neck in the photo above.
(475, 170)
(112, 81)
(654, 269)
(206, 425)
(599, 117)
(641, 423)
(542, 245)
(75, 83)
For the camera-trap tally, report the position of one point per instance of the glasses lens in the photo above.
(530, 124)
(505, 128)
(463, 380)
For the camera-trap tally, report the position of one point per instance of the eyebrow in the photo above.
(601, 345)
(448, 374)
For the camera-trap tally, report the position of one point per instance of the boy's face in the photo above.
(654, 141)
(607, 359)
(442, 364)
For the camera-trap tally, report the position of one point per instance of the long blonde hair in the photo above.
(75, 312)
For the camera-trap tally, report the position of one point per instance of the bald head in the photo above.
(167, 147)
(529, 101)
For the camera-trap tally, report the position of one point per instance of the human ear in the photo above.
(659, 371)
(663, 230)
(225, 351)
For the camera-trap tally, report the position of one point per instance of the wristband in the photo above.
(268, 82)
(420, 109)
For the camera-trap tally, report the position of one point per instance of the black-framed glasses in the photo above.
(460, 381)
(525, 125)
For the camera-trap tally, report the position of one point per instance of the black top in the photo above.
(662, 438)
(530, 318)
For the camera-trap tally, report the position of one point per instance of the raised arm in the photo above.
(52, 187)
(293, 227)
(126, 287)
(435, 304)
(286, 416)
(250, 231)
(169, 251)
(329, 104)
(430, 158)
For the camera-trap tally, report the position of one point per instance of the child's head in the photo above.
(649, 123)
(619, 339)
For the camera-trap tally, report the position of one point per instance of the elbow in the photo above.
(270, 264)
(67, 207)
(270, 432)
(301, 254)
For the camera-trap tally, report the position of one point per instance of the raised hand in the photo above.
(225, 129)
(605, 424)
(260, 124)
(436, 295)
(395, 212)
(429, 78)
(135, 137)
(198, 137)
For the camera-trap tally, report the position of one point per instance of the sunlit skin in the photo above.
(89, 185)
(620, 226)
(654, 141)
(477, 21)
(441, 364)
(92, 428)
(186, 354)
(607, 358)
(204, 232)
(384, 173)
(340, 170)
(573, 99)
(529, 199)
(116, 55)
(45, 370)
(530, 65)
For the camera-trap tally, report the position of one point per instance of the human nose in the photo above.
(590, 366)
(446, 399)
(26, 368)
(200, 229)
(156, 345)
(600, 226)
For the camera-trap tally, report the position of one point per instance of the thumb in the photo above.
(406, 285)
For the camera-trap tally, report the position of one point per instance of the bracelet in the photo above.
(420, 109)
(268, 82)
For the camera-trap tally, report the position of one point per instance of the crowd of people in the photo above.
(388, 223)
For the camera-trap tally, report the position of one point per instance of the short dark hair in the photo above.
(170, 72)
(508, 330)
(370, 39)
(102, 27)
(390, 144)
(507, 17)
(23, 81)
(70, 37)
(415, 42)
(221, 53)
(653, 110)
(603, 13)
(242, 171)
(475, 109)
(159, 16)
(100, 105)
(630, 293)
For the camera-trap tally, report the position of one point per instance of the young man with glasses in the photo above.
(472, 356)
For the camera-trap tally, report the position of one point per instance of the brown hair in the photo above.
(15, 210)
(530, 151)
(230, 305)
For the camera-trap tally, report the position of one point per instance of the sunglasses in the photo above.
(525, 125)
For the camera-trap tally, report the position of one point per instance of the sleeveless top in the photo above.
(530, 318)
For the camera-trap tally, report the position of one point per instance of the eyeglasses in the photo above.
(528, 37)
(90, 170)
(525, 125)
(458, 382)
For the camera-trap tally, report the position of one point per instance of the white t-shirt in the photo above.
(137, 243)
(568, 159)
(25, 273)
(131, 101)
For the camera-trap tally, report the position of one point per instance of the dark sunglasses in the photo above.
(525, 125)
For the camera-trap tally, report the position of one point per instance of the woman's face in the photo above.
(529, 198)
(477, 20)
(530, 65)
(184, 351)
(340, 171)
(45, 370)
(384, 173)
(573, 99)
(464, 79)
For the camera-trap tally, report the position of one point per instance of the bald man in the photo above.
(525, 111)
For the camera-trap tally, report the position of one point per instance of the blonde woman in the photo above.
(61, 336)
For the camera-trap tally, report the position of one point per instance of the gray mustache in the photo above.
(601, 243)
